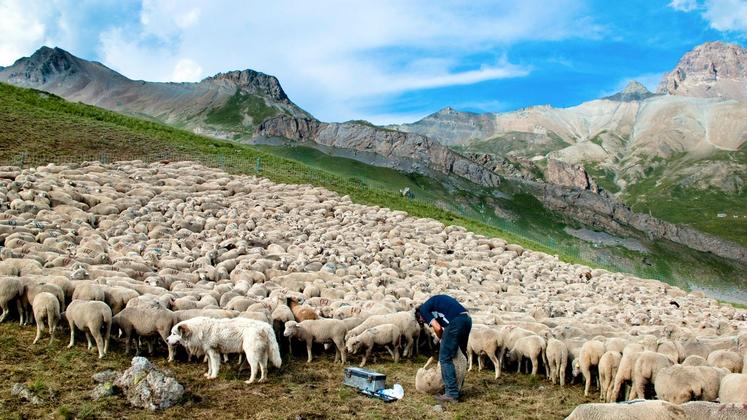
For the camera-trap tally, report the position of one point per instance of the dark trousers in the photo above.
(454, 338)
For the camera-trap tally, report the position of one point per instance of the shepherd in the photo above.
(452, 324)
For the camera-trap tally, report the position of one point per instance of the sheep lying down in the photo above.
(428, 378)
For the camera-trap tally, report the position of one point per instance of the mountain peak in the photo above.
(45, 64)
(252, 82)
(633, 91)
(713, 69)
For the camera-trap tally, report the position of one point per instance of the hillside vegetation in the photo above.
(37, 128)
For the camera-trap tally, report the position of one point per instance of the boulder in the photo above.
(146, 386)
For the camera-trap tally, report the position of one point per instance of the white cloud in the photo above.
(334, 57)
(727, 15)
(22, 29)
(186, 70)
(721, 15)
(684, 5)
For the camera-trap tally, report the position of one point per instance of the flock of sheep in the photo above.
(133, 250)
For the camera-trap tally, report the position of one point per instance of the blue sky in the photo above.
(385, 60)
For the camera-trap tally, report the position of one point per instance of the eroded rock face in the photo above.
(712, 70)
(146, 386)
(569, 175)
(404, 151)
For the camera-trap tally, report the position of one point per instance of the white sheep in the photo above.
(678, 384)
(591, 352)
(484, 341)
(46, 307)
(428, 379)
(733, 388)
(531, 347)
(92, 317)
(726, 359)
(319, 331)
(383, 335)
(647, 366)
(11, 289)
(608, 365)
(556, 354)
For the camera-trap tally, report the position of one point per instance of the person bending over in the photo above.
(451, 323)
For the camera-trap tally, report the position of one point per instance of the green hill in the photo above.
(37, 128)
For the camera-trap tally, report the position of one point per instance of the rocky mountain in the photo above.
(227, 105)
(712, 70)
(389, 148)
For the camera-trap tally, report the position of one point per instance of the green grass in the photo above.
(37, 128)
(605, 178)
(231, 115)
(297, 390)
(662, 195)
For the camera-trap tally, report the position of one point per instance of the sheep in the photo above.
(647, 366)
(301, 312)
(46, 307)
(11, 289)
(89, 292)
(694, 360)
(608, 364)
(32, 289)
(145, 322)
(726, 359)
(406, 322)
(319, 331)
(531, 347)
(657, 410)
(383, 335)
(589, 356)
(484, 341)
(92, 317)
(678, 384)
(624, 371)
(733, 389)
(556, 354)
(429, 380)
(117, 297)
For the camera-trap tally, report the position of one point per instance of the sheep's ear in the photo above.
(356, 310)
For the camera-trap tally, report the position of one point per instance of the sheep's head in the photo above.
(353, 345)
(576, 367)
(291, 329)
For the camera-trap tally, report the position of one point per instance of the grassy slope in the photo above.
(62, 377)
(36, 128)
(46, 128)
(660, 193)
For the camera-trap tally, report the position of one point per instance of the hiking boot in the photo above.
(443, 398)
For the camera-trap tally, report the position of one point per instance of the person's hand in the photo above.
(437, 328)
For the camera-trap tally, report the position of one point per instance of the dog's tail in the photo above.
(274, 350)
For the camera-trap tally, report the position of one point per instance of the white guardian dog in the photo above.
(213, 337)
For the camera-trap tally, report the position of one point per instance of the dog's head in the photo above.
(179, 333)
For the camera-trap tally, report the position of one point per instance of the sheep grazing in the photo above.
(678, 384)
(726, 359)
(556, 354)
(589, 356)
(428, 378)
(383, 335)
(46, 307)
(608, 364)
(92, 317)
(166, 242)
(531, 347)
(11, 289)
(145, 322)
(319, 331)
(484, 341)
(647, 366)
(733, 388)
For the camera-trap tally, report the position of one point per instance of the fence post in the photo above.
(22, 159)
(258, 166)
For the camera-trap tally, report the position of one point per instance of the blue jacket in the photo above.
(441, 307)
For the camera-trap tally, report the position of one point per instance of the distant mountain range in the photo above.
(679, 153)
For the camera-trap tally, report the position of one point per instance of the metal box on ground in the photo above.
(364, 380)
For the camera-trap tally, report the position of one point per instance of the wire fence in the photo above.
(296, 174)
